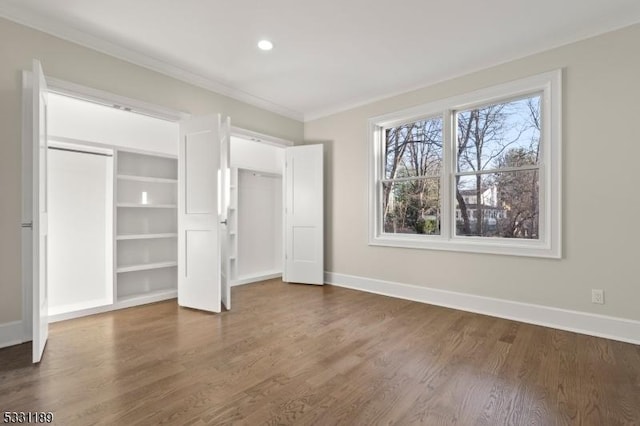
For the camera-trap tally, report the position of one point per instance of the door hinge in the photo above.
(27, 225)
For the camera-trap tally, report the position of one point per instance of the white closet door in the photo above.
(225, 200)
(40, 216)
(198, 214)
(304, 207)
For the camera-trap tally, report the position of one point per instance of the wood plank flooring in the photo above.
(294, 354)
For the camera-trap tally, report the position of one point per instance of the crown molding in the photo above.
(49, 26)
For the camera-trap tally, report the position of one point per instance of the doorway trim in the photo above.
(113, 100)
(260, 137)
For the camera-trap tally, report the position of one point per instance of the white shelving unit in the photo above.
(146, 227)
(146, 266)
(146, 179)
(233, 225)
(147, 206)
(146, 236)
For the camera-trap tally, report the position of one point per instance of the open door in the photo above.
(39, 213)
(225, 201)
(304, 218)
(199, 211)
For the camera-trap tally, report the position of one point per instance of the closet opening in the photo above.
(256, 213)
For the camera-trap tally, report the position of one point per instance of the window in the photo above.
(411, 185)
(478, 172)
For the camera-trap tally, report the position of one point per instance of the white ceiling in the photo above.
(329, 55)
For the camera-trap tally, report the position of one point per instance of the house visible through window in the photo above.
(478, 172)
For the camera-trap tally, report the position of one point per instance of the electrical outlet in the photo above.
(597, 296)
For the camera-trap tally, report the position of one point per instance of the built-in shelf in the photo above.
(266, 275)
(151, 295)
(148, 206)
(147, 179)
(146, 266)
(145, 236)
(146, 250)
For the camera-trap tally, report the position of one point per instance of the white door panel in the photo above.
(224, 199)
(198, 215)
(40, 216)
(304, 215)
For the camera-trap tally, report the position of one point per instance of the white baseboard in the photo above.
(74, 307)
(120, 304)
(11, 333)
(255, 278)
(621, 329)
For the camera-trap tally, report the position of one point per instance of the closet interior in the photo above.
(113, 208)
(256, 210)
(113, 177)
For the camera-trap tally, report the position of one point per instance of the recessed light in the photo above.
(265, 45)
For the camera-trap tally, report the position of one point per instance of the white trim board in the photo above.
(117, 305)
(621, 329)
(102, 97)
(260, 137)
(11, 333)
(249, 279)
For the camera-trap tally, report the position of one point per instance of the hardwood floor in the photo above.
(294, 354)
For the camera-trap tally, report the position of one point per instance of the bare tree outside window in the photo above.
(411, 187)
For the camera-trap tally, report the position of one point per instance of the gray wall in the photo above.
(77, 64)
(601, 157)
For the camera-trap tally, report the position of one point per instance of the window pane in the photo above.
(498, 205)
(414, 149)
(412, 207)
(500, 135)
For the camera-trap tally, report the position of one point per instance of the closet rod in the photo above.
(80, 151)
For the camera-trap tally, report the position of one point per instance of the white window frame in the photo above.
(549, 85)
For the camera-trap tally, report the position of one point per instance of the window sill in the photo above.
(526, 248)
